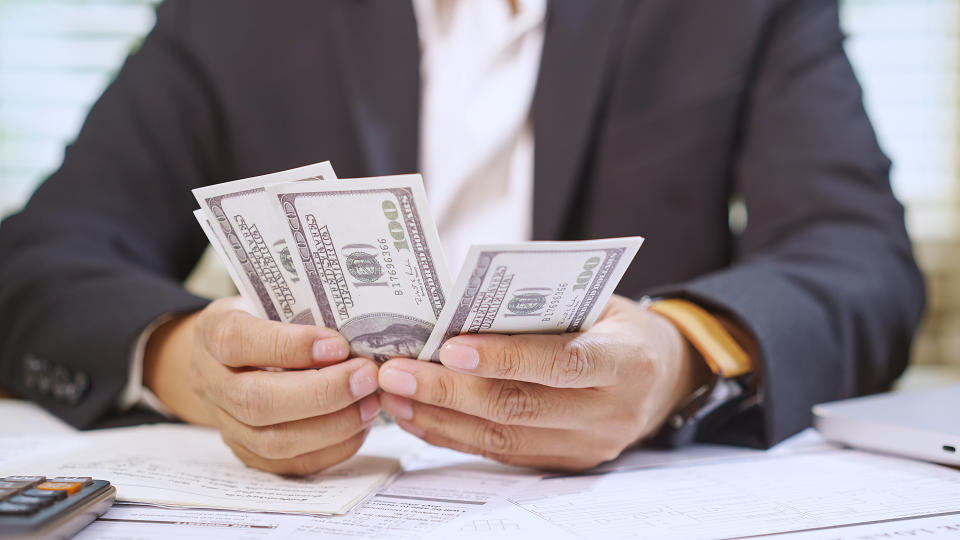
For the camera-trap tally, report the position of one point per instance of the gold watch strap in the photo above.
(719, 349)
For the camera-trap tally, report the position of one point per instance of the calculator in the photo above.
(40, 508)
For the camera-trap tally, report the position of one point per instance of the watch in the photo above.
(731, 389)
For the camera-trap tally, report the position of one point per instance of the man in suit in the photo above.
(567, 120)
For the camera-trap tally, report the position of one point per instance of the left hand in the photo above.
(568, 401)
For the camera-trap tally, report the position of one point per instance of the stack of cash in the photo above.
(363, 256)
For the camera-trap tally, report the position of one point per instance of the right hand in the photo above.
(287, 422)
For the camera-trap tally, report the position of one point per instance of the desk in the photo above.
(803, 488)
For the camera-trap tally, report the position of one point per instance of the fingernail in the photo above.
(328, 349)
(459, 356)
(397, 381)
(411, 429)
(369, 407)
(363, 381)
(399, 407)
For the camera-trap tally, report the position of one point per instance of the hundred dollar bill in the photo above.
(371, 254)
(532, 287)
(218, 248)
(252, 235)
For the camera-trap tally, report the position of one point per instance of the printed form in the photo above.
(190, 466)
(801, 489)
(745, 496)
(417, 503)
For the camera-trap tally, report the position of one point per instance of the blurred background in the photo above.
(57, 56)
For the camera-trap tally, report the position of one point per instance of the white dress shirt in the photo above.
(479, 65)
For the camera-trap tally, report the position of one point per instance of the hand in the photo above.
(568, 401)
(205, 368)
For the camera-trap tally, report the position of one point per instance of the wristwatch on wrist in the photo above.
(730, 390)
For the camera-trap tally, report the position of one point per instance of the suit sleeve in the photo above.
(824, 275)
(102, 247)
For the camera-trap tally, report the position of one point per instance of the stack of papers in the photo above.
(190, 466)
(803, 488)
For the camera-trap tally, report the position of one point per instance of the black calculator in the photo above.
(40, 508)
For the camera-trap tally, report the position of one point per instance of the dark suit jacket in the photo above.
(649, 116)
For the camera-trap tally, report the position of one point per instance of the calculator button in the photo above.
(25, 480)
(84, 480)
(10, 509)
(8, 492)
(18, 487)
(41, 494)
(23, 483)
(30, 501)
(69, 487)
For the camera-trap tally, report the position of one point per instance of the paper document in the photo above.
(420, 502)
(744, 496)
(134, 522)
(802, 488)
(695, 454)
(189, 466)
(414, 505)
(923, 528)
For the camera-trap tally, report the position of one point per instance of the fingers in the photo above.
(238, 339)
(494, 438)
(562, 361)
(287, 422)
(524, 446)
(303, 464)
(261, 398)
(502, 401)
(292, 439)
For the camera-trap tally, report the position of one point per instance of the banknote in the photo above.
(220, 251)
(370, 252)
(252, 235)
(532, 287)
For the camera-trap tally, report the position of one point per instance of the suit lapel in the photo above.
(379, 53)
(576, 57)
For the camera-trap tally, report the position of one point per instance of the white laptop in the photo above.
(920, 424)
